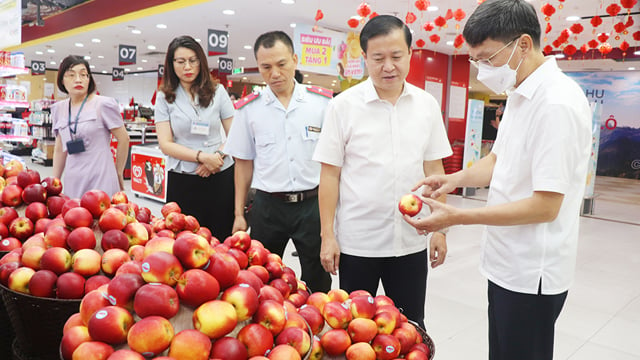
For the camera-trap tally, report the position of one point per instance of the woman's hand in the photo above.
(203, 171)
(213, 162)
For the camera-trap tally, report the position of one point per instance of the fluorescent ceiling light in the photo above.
(161, 26)
(136, 31)
(228, 12)
(573, 18)
(95, 40)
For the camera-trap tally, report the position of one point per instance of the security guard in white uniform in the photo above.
(272, 138)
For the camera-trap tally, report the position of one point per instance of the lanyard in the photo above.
(75, 127)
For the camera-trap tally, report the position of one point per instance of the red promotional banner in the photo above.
(148, 175)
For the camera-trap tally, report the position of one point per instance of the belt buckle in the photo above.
(292, 198)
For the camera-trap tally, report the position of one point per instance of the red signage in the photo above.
(148, 175)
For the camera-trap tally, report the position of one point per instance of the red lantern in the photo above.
(569, 50)
(584, 48)
(420, 43)
(593, 44)
(319, 15)
(548, 10)
(564, 36)
(373, 14)
(547, 49)
(459, 14)
(629, 22)
(603, 37)
(422, 5)
(448, 15)
(613, 9)
(440, 21)
(353, 23)
(624, 46)
(428, 26)
(619, 27)
(556, 43)
(596, 21)
(548, 28)
(605, 49)
(576, 28)
(458, 41)
(435, 38)
(628, 4)
(363, 9)
(410, 18)
(636, 36)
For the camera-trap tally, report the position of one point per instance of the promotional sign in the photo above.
(217, 42)
(148, 172)
(126, 54)
(160, 71)
(225, 65)
(473, 137)
(38, 67)
(11, 20)
(117, 74)
(328, 52)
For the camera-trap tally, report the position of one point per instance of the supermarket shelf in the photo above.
(13, 104)
(15, 138)
(12, 71)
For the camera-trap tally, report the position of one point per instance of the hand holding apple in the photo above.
(410, 204)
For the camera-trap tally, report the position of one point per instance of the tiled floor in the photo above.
(601, 319)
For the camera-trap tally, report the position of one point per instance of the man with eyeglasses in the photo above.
(537, 173)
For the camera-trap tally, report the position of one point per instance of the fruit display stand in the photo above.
(6, 330)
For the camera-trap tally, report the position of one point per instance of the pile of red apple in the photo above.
(163, 287)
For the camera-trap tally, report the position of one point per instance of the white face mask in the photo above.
(501, 78)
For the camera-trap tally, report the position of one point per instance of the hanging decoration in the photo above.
(410, 18)
(363, 10)
(603, 37)
(440, 22)
(353, 23)
(458, 41)
(628, 4)
(584, 49)
(459, 15)
(561, 5)
(613, 9)
(448, 15)
(548, 29)
(629, 22)
(318, 17)
(434, 38)
(593, 44)
(373, 14)
(619, 28)
(576, 29)
(547, 50)
(428, 26)
(636, 36)
(569, 50)
(422, 5)
(548, 10)
(595, 22)
(420, 43)
(605, 49)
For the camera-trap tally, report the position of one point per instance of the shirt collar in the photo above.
(370, 93)
(298, 94)
(545, 71)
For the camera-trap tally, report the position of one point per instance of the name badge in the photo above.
(199, 127)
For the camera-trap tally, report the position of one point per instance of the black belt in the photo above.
(293, 197)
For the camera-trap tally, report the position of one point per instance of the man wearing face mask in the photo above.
(536, 172)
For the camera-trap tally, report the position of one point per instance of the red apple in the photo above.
(9, 243)
(256, 338)
(119, 198)
(313, 317)
(261, 272)
(416, 355)
(169, 208)
(86, 262)
(19, 279)
(268, 292)
(150, 336)
(31, 257)
(110, 325)
(70, 286)
(7, 214)
(78, 217)
(162, 267)
(21, 228)
(407, 336)
(360, 351)
(362, 306)
(386, 321)
(54, 205)
(81, 238)
(136, 233)
(284, 352)
(34, 193)
(126, 354)
(248, 277)
(144, 215)
(191, 223)
(112, 259)
(381, 300)
(239, 240)
(175, 221)
(362, 330)
(56, 236)
(335, 342)
(296, 320)
(215, 318)
(112, 219)
(318, 299)
(243, 298)
(114, 239)
(94, 282)
(282, 286)
(6, 269)
(136, 252)
(43, 283)
(338, 295)
(297, 338)
(13, 168)
(271, 315)
(192, 250)
(73, 320)
(410, 204)
(40, 226)
(337, 314)
(193, 345)
(53, 185)
(228, 348)
(36, 211)
(69, 204)
(224, 268)
(355, 293)
(130, 267)
(156, 299)
(122, 289)
(96, 201)
(240, 256)
(56, 259)
(72, 339)
(275, 268)
(92, 350)
(27, 177)
(92, 302)
(195, 287)
(387, 347)
(159, 243)
(205, 233)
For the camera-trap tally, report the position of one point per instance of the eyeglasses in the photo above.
(183, 62)
(73, 75)
(487, 61)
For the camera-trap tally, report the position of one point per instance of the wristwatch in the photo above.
(221, 153)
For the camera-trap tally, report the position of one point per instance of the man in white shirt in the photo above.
(378, 138)
(537, 173)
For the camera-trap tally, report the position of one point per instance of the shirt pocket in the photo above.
(266, 147)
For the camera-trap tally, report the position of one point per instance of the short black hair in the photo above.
(383, 25)
(269, 39)
(502, 20)
(69, 62)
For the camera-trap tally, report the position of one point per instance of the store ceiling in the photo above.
(253, 17)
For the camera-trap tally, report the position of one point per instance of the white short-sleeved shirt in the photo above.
(543, 144)
(182, 112)
(380, 149)
(279, 141)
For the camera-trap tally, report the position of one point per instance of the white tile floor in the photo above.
(601, 319)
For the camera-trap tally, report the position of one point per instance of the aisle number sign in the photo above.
(117, 74)
(126, 54)
(225, 65)
(217, 42)
(38, 67)
(160, 71)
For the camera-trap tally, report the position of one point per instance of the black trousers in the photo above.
(273, 222)
(404, 279)
(521, 326)
(210, 199)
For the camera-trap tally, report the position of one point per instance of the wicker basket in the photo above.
(426, 339)
(6, 330)
(37, 323)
